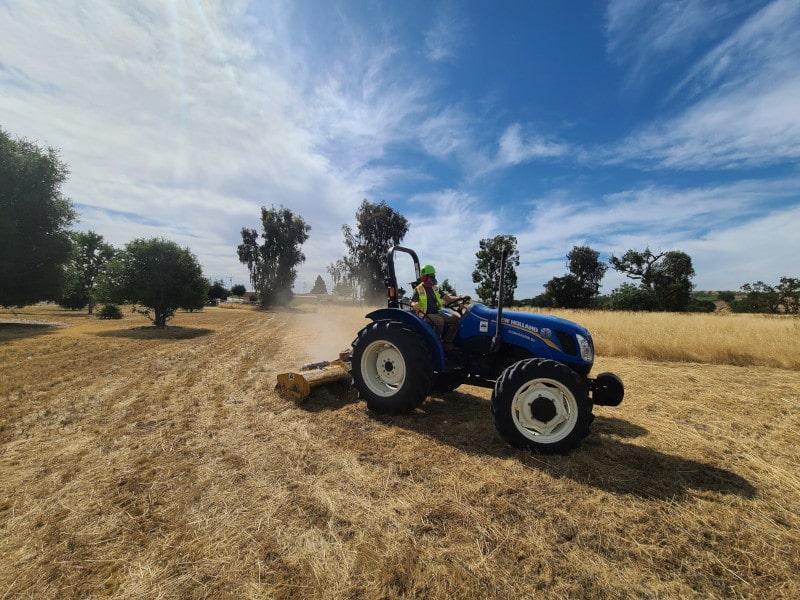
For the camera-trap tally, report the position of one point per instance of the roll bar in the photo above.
(391, 279)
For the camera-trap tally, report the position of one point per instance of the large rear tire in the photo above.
(391, 367)
(541, 405)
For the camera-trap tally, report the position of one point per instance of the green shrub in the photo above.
(727, 296)
(632, 297)
(109, 311)
(701, 305)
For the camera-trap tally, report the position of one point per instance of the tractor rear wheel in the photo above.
(541, 405)
(391, 367)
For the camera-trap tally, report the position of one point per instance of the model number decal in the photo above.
(544, 334)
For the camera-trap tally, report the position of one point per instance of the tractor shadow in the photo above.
(604, 460)
(329, 397)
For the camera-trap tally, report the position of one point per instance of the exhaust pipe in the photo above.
(495, 347)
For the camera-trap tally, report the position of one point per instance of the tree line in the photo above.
(664, 278)
(664, 281)
(273, 255)
(42, 259)
(661, 281)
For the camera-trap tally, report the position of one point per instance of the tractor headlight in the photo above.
(587, 352)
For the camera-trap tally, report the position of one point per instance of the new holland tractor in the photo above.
(537, 365)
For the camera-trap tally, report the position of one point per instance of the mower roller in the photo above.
(297, 385)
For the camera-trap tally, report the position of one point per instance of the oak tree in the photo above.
(157, 276)
(667, 274)
(35, 244)
(90, 254)
(581, 285)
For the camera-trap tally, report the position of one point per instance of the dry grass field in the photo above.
(137, 463)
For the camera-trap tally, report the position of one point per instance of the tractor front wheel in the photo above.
(541, 405)
(391, 367)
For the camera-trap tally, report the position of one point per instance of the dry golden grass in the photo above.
(741, 340)
(145, 464)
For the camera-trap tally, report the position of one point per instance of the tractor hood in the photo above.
(545, 336)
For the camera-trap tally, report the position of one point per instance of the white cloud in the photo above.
(647, 35)
(444, 38)
(446, 132)
(762, 249)
(711, 224)
(517, 144)
(182, 120)
(635, 26)
(515, 147)
(754, 126)
(762, 48)
(745, 111)
(446, 230)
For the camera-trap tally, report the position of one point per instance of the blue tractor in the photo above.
(537, 365)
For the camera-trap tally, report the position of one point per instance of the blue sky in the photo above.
(619, 124)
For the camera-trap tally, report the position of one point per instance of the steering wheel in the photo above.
(459, 304)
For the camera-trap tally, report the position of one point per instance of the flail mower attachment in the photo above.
(297, 385)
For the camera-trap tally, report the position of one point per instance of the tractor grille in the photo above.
(568, 343)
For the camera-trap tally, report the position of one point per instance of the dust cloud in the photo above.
(323, 331)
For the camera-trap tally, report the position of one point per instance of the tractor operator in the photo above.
(427, 302)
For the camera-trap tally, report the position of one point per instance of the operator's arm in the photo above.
(415, 305)
(447, 298)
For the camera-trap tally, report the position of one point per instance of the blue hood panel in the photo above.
(544, 336)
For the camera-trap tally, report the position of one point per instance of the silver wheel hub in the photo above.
(544, 408)
(383, 368)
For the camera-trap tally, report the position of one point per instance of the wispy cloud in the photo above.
(444, 38)
(742, 116)
(170, 108)
(702, 221)
(181, 119)
(446, 132)
(727, 255)
(763, 48)
(447, 228)
(749, 127)
(516, 147)
(646, 36)
(517, 144)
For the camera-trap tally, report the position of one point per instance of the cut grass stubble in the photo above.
(136, 463)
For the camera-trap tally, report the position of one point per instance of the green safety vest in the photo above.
(423, 298)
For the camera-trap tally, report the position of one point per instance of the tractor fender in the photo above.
(416, 324)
